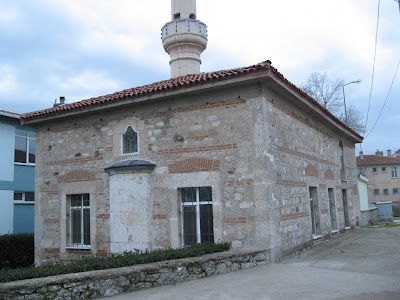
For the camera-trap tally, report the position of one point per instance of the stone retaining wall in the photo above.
(104, 283)
(369, 217)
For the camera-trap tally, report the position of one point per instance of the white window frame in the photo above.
(197, 208)
(123, 144)
(376, 170)
(81, 208)
(376, 192)
(29, 140)
(394, 172)
(384, 170)
(23, 200)
(386, 191)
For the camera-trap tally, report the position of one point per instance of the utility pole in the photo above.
(398, 1)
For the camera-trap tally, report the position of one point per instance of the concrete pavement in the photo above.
(363, 264)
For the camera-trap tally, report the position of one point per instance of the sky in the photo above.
(87, 48)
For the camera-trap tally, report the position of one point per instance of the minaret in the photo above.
(184, 38)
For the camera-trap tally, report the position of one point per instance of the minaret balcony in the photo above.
(185, 26)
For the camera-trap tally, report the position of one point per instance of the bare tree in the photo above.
(330, 95)
(354, 119)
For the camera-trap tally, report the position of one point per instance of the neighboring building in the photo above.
(369, 213)
(17, 173)
(362, 184)
(383, 173)
(237, 155)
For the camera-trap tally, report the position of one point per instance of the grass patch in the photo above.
(115, 261)
(392, 225)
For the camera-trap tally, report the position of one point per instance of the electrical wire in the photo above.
(373, 68)
(387, 97)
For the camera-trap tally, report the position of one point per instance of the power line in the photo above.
(390, 89)
(373, 68)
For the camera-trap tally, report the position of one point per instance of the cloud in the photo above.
(8, 82)
(80, 49)
(121, 28)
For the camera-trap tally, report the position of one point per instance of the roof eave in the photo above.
(317, 108)
(9, 114)
(145, 98)
(260, 75)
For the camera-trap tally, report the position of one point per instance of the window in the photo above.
(197, 215)
(376, 191)
(79, 219)
(383, 169)
(386, 191)
(24, 197)
(394, 172)
(374, 170)
(395, 191)
(25, 148)
(129, 141)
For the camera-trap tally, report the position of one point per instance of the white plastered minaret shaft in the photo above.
(182, 7)
(184, 38)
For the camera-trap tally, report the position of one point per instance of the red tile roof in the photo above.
(370, 160)
(178, 83)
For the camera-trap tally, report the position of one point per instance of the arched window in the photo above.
(130, 141)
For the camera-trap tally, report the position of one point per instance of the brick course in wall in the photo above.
(197, 164)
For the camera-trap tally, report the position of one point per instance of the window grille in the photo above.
(79, 220)
(197, 215)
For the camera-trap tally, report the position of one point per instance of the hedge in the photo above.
(16, 250)
(115, 261)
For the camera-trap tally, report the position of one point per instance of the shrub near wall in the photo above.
(16, 250)
(115, 261)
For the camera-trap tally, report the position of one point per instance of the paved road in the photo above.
(364, 264)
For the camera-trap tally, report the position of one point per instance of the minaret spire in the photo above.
(184, 38)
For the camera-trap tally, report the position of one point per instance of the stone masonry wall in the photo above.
(306, 154)
(96, 284)
(257, 151)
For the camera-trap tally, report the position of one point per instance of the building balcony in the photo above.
(185, 26)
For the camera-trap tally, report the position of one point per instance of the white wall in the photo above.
(6, 211)
(7, 140)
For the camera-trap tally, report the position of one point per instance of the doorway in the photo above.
(314, 209)
(345, 208)
(332, 208)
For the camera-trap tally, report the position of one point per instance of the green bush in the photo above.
(396, 213)
(115, 261)
(16, 250)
